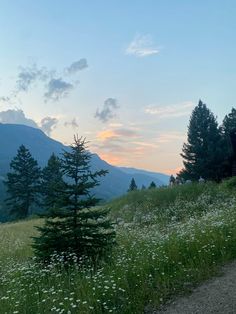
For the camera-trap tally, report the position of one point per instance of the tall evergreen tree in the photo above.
(229, 122)
(22, 183)
(202, 153)
(76, 227)
(52, 184)
(172, 180)
(132, 186)
(152, 185)
(228, 126)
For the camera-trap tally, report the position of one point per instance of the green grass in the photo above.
(140, 203)
(179, 237)
(15, 239)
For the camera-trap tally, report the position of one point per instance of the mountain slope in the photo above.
(159, 177)
(41, 147)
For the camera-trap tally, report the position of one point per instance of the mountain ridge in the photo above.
(114, 184)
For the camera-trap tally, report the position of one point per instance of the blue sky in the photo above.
(142, 65)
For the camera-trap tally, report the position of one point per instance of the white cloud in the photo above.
(171, 111)
(16, 116)
(142, 46)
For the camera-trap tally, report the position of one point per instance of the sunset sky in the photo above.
(124, 74)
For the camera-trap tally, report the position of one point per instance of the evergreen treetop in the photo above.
(132, 186)
(229, 122)
(172, 180)
(22, 183)
(228, 127)
(152, 185)
(52, 184)
(202, 153)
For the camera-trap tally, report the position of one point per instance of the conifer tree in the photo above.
(228, 126)
(229, 122)
(52, 184)
(152, 185)
(76, 227)
(22, 183)
(132, 186)
(172, 180)
(202, 153)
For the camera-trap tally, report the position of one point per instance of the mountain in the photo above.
(163, 179)
(41, 147)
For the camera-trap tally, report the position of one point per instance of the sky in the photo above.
(124, 74)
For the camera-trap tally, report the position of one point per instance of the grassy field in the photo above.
(169, 239)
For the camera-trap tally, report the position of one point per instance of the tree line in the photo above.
(133, 186)
(73, 225)
(208, 152)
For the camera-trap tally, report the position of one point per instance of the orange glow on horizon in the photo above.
(173, 171)
(105, 135)
(112, 159)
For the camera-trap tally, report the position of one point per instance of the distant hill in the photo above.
(163, 179)
(41, 147)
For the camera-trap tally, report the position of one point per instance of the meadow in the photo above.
(168, 240)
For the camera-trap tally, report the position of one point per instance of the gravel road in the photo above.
(217, 296)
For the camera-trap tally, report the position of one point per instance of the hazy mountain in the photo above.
(41, 147)
(159, 177)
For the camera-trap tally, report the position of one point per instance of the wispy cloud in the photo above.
(73, 123)
(57, 89)
(168, 137)
(108, 110)
(4, 99)
(142, 46)
(56, 84)
(119, 134)
(118, 153)
(77, 66)
(115, 125)
(48, 124)
(170, 111)
(119, 145)
(146, 144)
(27, 76)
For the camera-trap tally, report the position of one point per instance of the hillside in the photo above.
(139, 172)
(171, 240)
(41, 147)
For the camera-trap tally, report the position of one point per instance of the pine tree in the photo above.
(229, 122)
(228, 126)
(76, 227)
(52, 184)
(22, 183)
(152, 185)
(132, 186)
(172, 180)
(202, 153)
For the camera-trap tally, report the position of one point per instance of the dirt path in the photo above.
(217, 296)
